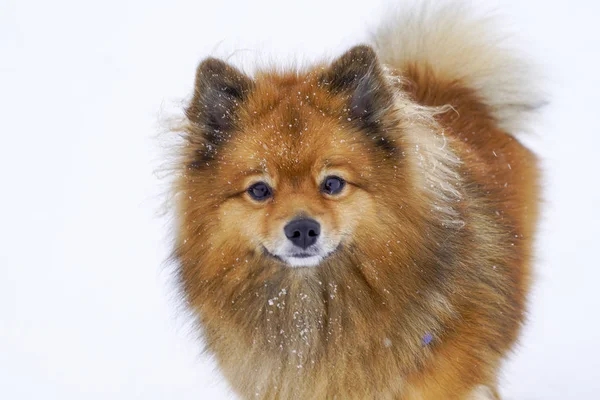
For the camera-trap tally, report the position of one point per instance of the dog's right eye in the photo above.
(260, 191)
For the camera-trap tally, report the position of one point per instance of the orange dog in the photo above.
(362, 229)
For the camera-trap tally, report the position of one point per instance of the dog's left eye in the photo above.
(260, 191)
(333, 185)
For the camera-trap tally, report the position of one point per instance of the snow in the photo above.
(86, 305)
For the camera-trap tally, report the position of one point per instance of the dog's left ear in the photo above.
(358, 74)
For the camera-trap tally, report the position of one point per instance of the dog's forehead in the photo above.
(293, 134)
(287, 141)
(293, 125)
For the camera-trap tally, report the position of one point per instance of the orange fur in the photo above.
(435, 230)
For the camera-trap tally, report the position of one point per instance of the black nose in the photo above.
(303, 232)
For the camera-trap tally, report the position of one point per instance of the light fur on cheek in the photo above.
(431, 159)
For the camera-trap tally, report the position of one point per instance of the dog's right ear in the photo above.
(218, 91)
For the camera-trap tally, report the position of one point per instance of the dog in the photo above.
(362, 228)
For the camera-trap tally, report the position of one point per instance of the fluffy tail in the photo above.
(448, 55)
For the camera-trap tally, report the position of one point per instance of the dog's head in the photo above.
(296, 167)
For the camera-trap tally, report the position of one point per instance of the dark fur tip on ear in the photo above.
(359, 74)
(347, 70)
(219, 89)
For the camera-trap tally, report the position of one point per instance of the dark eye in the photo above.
(260, 191)
(333, 185)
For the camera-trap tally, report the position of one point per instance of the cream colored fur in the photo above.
(458, 46)
(482, 393)
(432, 160)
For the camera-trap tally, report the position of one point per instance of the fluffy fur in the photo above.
(449, 44)
(423, 289)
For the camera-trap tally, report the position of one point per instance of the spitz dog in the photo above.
(362, 229)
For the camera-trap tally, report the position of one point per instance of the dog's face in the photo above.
(298, 191)
(292, 168)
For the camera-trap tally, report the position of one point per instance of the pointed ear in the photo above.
(218, 91)
(358, 74)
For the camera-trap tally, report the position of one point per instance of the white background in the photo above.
(87, 310)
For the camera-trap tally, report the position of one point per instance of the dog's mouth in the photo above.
(300, 259)
(302, 255)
